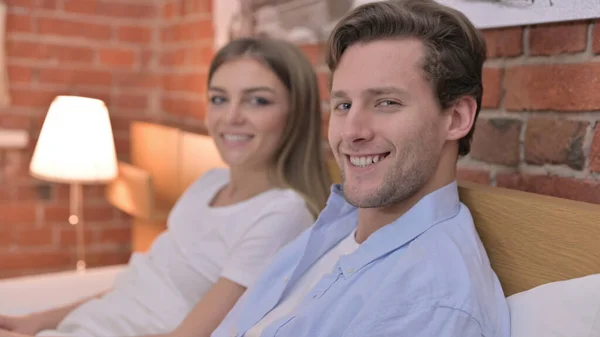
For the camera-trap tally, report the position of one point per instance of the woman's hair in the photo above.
(300, 161)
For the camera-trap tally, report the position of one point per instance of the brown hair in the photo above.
(300, 161)
(455, 49)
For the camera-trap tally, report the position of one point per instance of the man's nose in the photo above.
(358, 126)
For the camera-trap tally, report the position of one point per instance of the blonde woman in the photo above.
(264, 115)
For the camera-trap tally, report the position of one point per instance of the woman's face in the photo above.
(247, 113)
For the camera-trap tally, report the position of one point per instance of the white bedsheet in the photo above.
(23, 295)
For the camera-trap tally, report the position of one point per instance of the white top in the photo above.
(306, 282)
(202, 244)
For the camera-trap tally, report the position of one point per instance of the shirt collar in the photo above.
(432, 209)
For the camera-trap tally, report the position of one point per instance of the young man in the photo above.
(394, 253)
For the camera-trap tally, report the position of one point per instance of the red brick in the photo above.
(66, 27)
(559, 87)
(30, 260)
(596, 37)
(114, 235)
(492, 88)
(196, 7)
(15, 122)
(170, 9)
(32, 97)
(184, 107)
(323, 79)
(34, 236)
(16, 165)
(117, 57)
(131, 101)
(187, 56)
(505, 42)
(19, 3)
(496, 141)
(595, 152)
(122, 146)
(197, 30)
(17, 74)
(109, 8)
(67, 235)
(18, 23)
(130, 79)
(558, 38)
(472, 175)
(91, 193)
(79, 77)
(60, 212)
(107, 258)
(315, 53)
(568, 188)
(555, 141)
(194, 82)
(43, 51)
(135, 34)
(17, 213)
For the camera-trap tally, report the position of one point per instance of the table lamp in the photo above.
(75, 146)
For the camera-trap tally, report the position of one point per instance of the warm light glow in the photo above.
(76, 143)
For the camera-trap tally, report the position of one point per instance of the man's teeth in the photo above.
(365, 161)
(237, 138)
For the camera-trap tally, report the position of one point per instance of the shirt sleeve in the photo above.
(422, 322)
(267, 235)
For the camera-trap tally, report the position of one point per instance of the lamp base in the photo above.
(76, 219)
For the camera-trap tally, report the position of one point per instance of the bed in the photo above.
(545, 250)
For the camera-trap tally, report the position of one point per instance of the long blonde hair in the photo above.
(300, 160)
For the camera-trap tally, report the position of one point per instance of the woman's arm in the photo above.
(44, 320)
(210, 311)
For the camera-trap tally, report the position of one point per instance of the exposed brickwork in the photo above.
(555, 141)
(496, 141)
(554, 39)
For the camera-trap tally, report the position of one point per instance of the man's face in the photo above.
(386, 128)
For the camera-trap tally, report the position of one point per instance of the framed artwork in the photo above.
(310, 21)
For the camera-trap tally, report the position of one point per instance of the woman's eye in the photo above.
(217, 100)
(259, 101)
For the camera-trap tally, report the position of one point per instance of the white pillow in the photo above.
(568, 308)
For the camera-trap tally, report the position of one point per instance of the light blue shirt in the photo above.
(424, 275)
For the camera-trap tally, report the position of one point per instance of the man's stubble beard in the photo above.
(401, 182)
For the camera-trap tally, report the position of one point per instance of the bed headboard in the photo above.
(531, 239)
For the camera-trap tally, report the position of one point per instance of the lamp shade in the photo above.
(76, 143)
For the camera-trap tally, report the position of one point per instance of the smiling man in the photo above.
(395, 252)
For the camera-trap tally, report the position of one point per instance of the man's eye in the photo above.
(343, 106)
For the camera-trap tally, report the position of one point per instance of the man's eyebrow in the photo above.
(385, 91)
(338, 94)
(377, 91)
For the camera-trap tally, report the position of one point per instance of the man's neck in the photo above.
(372, 219)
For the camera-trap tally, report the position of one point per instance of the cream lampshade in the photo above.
(75, 146)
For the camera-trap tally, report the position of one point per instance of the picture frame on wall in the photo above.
(310, 21)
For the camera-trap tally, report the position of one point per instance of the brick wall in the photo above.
(148, 60)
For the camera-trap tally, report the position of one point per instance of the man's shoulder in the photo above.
(446, 266)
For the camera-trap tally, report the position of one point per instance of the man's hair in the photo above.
(454, 49)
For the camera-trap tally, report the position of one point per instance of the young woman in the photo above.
(264, 115)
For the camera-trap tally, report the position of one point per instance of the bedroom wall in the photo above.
(148, 59)
(109, 49)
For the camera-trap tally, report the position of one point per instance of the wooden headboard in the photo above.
(531, 239)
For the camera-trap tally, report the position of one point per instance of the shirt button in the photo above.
(285, 280)
(350, 270)
(233, 333)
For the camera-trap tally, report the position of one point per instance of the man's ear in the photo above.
(462, 115)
